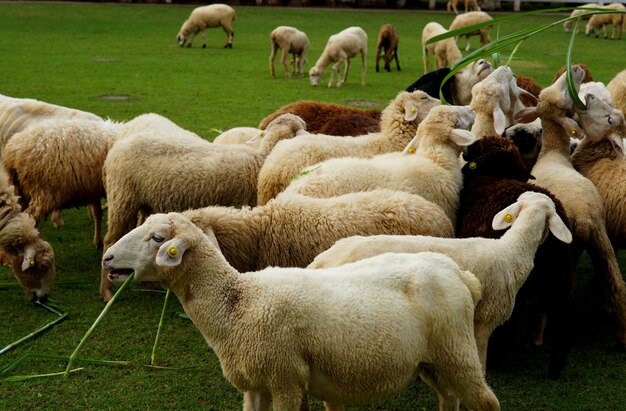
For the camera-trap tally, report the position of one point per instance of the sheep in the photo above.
(399, 122)
(430, 168)
(206, 17)
(350, 125)
(600, 21)
(495, 100)
(240, 135)
(587, 76)
(340, 48)
(151, 173)
(617, 89)
(30, 256)
(392, 296)
(388, 39)
(502, 265)
(458, 89)
(452, 6)
(471, 18)
(527, 138)
(579, 11)
(291, 41)
(316, 114)
(529, 84)
(446, 51)
(555, 172)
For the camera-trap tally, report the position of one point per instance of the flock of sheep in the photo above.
(369, 260)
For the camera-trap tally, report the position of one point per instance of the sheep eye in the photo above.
(424, 98)
(610, 120)
(157, 238)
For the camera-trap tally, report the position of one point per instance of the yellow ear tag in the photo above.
(573, 131)
(262, 134)
(472, 166)
(413, 110)
(31, 262)
(411, 150)
(172, 251)
(508, 218)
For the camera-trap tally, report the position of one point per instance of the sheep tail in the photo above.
(473, 284)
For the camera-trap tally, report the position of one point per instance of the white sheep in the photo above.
(291, 41)
(600, 21)
(502, 265)
(399, 122)
(579, 11)
(471, 18)
(340, 48)
(276, 331)
(580, 197)
(446, 51)
(30, 256)
(617, 88)
(428, 166)
(495, 100)
(204, 17)
(151, 172)
(240, 135)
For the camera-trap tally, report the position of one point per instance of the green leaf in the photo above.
(571, 87)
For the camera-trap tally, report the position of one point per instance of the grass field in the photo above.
(77, 55)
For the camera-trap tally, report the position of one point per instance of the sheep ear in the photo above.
(504, 219)
(412, 146)
(526, 98)
(171, 252)
(462, 137)
(410, 113)
(499, 120)
(618, 144)
(256, 138)
(571, 127)
(29, 258)
(559, 229)
(213, 239)
(526, 115)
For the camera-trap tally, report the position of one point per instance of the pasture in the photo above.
(122, 60)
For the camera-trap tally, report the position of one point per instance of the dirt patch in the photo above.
(363, 103)
(115, 97)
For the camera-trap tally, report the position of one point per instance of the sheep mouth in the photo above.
(119, 275)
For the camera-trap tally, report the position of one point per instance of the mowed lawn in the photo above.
(119, 61)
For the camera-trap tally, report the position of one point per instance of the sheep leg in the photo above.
(287, 400)
(377, 58)
(203, 39)
(230, 35)
(191, 37)
(272, 59)
(395, 54)
(447, 400)
(95, 212)
(335, 69)
(482, 335)
(425, 59)
(362, 67)
(345, 72)
(333, 407)
(283, 61)
(256, 401)
(57, 219)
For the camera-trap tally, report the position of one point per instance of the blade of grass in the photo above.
(156, 339)
(82, 342)
(30, 377)
(571, 87)
(12, 365)
(34, 333)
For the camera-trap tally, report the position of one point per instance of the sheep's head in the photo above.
(412, 106)
(282, 127)
(148, 250)
(527, 138)
(452, 122)
(465, 79)
(601, 121)
(496, 157)
(535, 204)
(315, 76)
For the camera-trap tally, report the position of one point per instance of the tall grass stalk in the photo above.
(156, 339)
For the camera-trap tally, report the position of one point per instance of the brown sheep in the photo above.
(350, 125)
(388, 39)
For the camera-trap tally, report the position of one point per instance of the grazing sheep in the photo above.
(469, 4)
(350, 125)
(458, 89)
(399, 123)
(502, 265)
(579, 11)
(446, 51)
(316, 114)
(206, 17)
(580, 197)
(388, 39)
(429, 165)
(471, 18)
(31, 257)
(600, 21)
(495, 100)
(291, 41)
(276, 331)
(341, 47)
(617, 88)
(152, 173)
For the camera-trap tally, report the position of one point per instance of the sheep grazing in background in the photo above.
(446, 51)
(341, 47)
(495, 100)
(31, 257)
(579, 11)
(471, 18)
(429, 165)
(399, 123)
(291, 41)
(502, 265)
(316, 114)
(458, 89)
(599, 22)
(469, 4)
(285, 350)
(206, 17)
(580, 197)
(388, 39)
(617, 88)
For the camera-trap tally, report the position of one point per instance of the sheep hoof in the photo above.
(377, 70)
(204, 46)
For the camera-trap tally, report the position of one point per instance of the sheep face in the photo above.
(315, 76)
(182, 39)
(601, 120)
(496, 157)
(34, 269)
(465, 79)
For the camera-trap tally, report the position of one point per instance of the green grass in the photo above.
(71, 54)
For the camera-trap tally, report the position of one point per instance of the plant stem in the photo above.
(34, 333)
(156, 339)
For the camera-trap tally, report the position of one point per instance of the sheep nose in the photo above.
(107, 258)
(43, 298)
